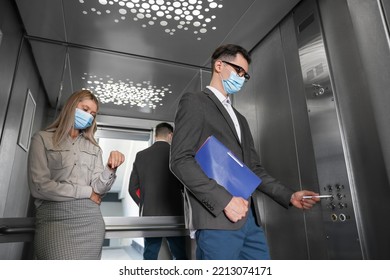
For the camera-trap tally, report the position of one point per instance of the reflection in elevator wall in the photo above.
(117, 202)
(338, 213)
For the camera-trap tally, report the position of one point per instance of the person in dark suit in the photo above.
(225, 227)
(157, 191)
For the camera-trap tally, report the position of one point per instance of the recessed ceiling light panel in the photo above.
(126, 93)
(194, 16)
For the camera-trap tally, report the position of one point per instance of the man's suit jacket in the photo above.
(199, 116)
(160, 191)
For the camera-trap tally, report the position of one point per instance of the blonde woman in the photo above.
(67, 180)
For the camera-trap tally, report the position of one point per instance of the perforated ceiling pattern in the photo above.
(195, 16)
(138, 56)
(126, 93)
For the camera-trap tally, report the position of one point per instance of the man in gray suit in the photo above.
(157, 191)
(225, 226)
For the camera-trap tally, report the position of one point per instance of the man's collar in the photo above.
(161, 140)
(218, 94)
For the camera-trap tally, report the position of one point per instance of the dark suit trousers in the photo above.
(176, 244)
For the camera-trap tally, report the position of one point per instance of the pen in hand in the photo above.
(317, 196)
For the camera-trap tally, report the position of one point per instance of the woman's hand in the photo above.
(115, 159)
(95, 197)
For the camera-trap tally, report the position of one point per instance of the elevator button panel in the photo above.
(337, 204)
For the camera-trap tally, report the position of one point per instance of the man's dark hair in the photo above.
(163, 129)
(228, 52)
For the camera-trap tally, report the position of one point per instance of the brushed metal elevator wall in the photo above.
(342, 238)
(357, 42)
(316, 106)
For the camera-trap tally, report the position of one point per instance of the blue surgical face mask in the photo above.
(233, 84)
(82, 119)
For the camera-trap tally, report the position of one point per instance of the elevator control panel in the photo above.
(338, 203)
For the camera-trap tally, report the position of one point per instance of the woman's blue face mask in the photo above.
(233, 84)
(82, 119)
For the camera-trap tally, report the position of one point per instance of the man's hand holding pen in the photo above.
(304, 199)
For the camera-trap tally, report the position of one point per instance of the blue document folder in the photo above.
(220, 164)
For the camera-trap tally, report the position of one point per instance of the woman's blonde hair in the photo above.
(65, 120)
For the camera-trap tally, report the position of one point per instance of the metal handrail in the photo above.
(124, 227)
(8, 230)
(23, 229)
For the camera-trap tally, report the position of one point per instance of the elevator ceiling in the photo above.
(138, 56)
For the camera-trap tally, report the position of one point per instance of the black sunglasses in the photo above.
(240, 71)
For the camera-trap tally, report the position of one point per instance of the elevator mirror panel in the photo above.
(117, 202)
(119, 210)
(338, 210)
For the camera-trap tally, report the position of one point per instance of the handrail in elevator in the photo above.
(22, 229)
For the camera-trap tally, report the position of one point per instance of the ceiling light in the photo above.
(126, 93)
(166, 13)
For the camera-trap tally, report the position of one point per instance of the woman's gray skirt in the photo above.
(70, 230)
